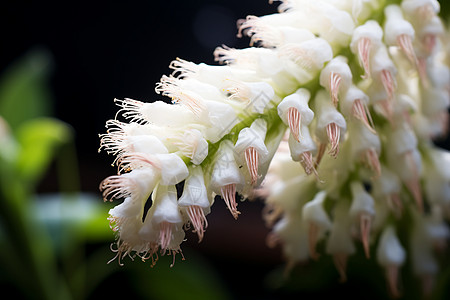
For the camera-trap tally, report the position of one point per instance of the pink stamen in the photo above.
(320, 153)
(334, 135)
(198, 220)
(252, 160)
(365, 225)
(405, 43)
(422, 69)
(272, 240)
(392, 278)
(386, 108)
(306, 160)
(340, 262)
(396, 205)
(388, 82)
(335, 82)
(313, 233)
(294, 120)
(414, 183)
(429, 41)
(364, 46)
(373, 161)
(165, 234)
(229, 196)
(361, 112)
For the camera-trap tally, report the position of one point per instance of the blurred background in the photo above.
(61, 66)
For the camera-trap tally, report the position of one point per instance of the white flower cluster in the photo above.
(353, 90)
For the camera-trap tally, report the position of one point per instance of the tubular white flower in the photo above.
(387, 188)
(336, 77)
(355, 104)
(366, 40)
(424, 262)
(363, 210)
(384, 71)
(293, 234)
(295, 112)
(303, 151)
(309, 55)
(331, 125)
(391, 255)
(191, 144)
(365, 146)
(226, 177)
(437, 177)
(317, 219)
(165, 217)
(195, 202)
(399, 32)
(340, 242)
(250, 149)
(256, 95)
(420, 8)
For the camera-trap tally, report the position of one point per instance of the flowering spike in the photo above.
(240, 128)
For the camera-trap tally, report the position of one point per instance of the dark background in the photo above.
(103, 50)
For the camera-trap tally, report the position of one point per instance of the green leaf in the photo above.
(79, 215)
(24, 92)
(38, 140)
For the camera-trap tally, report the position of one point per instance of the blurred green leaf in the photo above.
(84, 215)
(39, 139)
(24, 92)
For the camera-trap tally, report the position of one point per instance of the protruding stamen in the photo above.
(115, 187)
(312, 240)
(395, 204)
(392, 278)
(404, 41)
(170, 89)
(272, 240)
(429, 42)
(373, 161)
(198, 220)
(130, 160)
(252, 160)
(362, 113)
(294, 120)
(414, 183)
(340, 262)
(165, 234)
(306, 160)
(388, 82)
(365, 222)
(422, 69)
(334, 135)
(364, 45)
(386, 109)
(335, 82)
(320, 153)
(229, 196)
